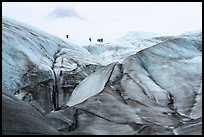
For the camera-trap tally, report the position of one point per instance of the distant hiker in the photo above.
(89, 39)
(100, 40)
(67, 36)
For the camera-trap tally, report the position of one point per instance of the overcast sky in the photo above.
(107, 20)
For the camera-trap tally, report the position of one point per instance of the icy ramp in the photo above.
(91, 85)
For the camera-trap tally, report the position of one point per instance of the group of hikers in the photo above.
(99, 40)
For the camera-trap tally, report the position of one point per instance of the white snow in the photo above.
(91, 85)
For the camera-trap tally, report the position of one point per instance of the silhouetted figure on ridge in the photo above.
(100, 40)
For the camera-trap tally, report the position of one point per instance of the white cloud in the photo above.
(65, 12)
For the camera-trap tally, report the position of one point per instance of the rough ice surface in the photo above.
(123, 47)
(19, 118)
(27, 48)
(196, 110)
(32, 47)
(154, 89)
(180, 79)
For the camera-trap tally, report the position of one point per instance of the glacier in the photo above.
(33, 59)
(140, 84)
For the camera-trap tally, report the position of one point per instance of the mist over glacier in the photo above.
(139, 84)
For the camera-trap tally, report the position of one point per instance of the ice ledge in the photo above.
(91, 85)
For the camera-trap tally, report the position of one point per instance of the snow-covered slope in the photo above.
(133, 42)
(123, 47)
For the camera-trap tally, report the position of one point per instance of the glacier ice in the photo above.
(91, 85)
(156, 90)
(20, 118)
